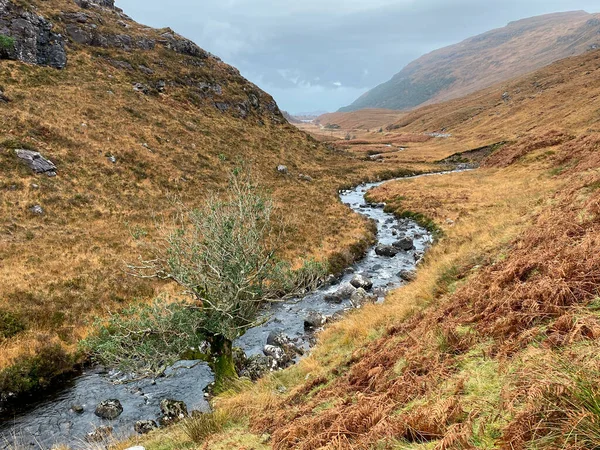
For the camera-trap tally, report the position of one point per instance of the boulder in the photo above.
(36, 161)
(407, 275)
(282, 169)
(404, 244)
(278, 339)
(173, 411)
(99, 434)
(360, 281)
(361, 297)
(304, 177)
(77, 409)
(109, 409)
(145, 426)
(386, 250)
(314, 320)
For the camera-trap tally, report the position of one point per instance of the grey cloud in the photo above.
(325, 53)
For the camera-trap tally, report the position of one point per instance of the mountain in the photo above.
(481, 61)
(105, 124)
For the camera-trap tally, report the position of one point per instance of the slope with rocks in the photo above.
(481, 61)
(105, 124)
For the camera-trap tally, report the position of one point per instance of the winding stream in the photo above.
(52, 421)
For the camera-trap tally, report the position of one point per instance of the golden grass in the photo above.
(62, 269)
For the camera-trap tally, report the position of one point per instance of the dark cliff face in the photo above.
(29, 38)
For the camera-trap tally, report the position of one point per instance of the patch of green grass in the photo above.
(6, 42)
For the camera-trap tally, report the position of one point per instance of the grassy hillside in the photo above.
(495, 343)
(481, 61)
(137, 119)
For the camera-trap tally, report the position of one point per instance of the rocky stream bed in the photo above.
(69, 415)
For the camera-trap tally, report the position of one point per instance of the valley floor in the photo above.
(492, 346)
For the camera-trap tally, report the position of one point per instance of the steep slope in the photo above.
(127, 119)
(495, 342)
(483, 60)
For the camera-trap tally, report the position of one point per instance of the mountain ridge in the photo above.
(483, 60)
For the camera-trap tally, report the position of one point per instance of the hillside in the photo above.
(129, 119)
(495, 342)
(481, 61)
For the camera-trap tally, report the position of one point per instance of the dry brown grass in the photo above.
(61, 269)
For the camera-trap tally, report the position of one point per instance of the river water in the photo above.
(52, 420)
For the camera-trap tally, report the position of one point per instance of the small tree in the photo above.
(224, 255)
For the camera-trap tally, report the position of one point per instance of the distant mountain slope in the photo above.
(481, 61)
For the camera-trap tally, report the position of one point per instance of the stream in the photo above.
(52, 421)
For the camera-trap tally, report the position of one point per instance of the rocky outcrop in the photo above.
(29, 38)
(36, 162)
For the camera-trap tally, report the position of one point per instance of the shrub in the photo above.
(7, 43)
(10, 324)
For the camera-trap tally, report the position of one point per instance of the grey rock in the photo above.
(142, 88)
(36, 161)
(121, 65)
(222, 106)
(332, 298)
(314, 320)
(278, 354)
(407, 275)
(146, 70)
(77, 409)
(181, 45)
(257, 366)
(404, 244)
(79, 34)
(386, 250)
(34, 40)
(173, 411)
(109, 409)
(278, 339)
(282, 169)
(306, 178)
(37, 210)
(99, 434)
(360, 298)
(360, 281)
(145, 426)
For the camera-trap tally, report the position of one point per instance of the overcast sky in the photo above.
(320, 55)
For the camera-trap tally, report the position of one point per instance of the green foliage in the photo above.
(6, 43)
(29, 373)
(223, 255)
(10, 324)
(146, 338)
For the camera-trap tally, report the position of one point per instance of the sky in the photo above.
(320, 55)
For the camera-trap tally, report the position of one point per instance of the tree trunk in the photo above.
(222, 362)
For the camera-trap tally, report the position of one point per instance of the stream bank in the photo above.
(68, 416)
